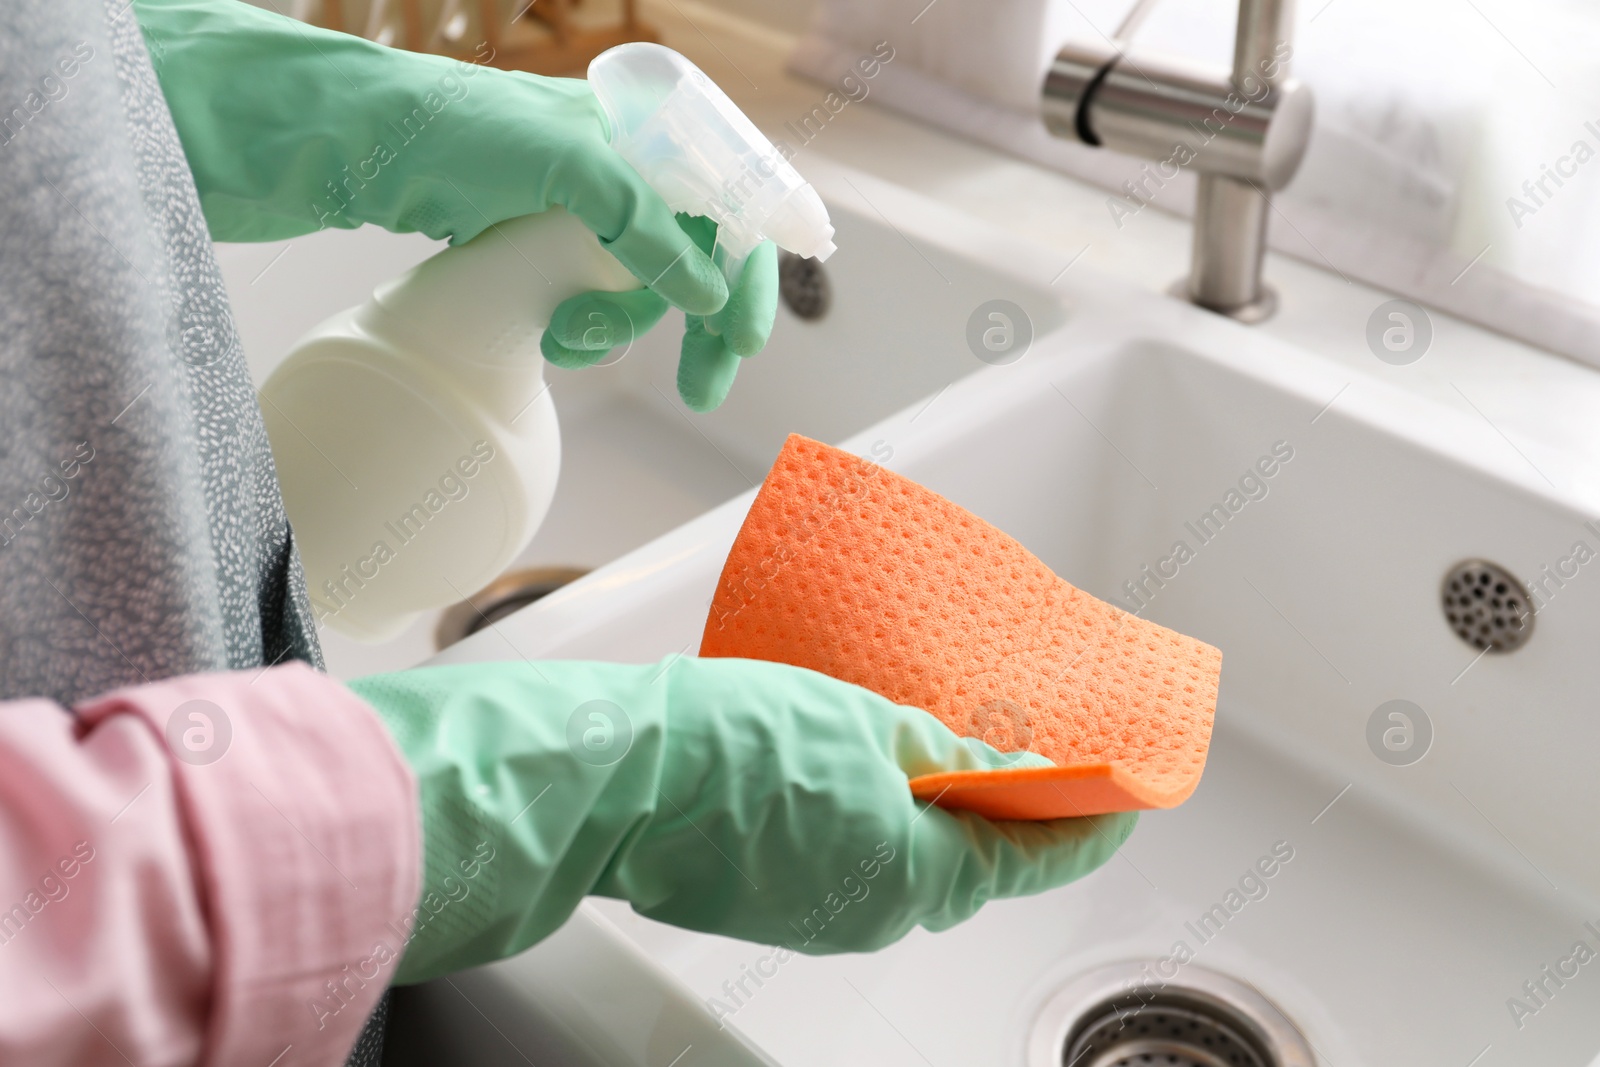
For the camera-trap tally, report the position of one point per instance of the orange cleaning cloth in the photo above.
(851, 570)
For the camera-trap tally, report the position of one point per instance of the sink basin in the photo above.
(1428, 868)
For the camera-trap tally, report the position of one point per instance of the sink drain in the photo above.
(510, 592)
(1164, 1034)
(1486, 606)
(803, 285)
(1120, 1016)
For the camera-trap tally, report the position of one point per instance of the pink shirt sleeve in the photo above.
(213, 869)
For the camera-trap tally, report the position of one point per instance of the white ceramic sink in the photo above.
(1419, 898)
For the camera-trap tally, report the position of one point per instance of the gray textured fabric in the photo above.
(142, 534)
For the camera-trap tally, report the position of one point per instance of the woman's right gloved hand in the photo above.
(289, 129)
(737, 797)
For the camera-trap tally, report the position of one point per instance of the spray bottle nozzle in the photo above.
(695, 148)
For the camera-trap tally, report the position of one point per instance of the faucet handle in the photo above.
(1180, 113)
(1076, 73)
(1070, 83)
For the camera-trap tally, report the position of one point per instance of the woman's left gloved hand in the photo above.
(290, 129)
(739, 797)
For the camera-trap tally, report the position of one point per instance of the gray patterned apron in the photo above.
(142, 534)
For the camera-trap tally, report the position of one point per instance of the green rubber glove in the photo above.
(289, 129)
(584, 330)
(737, 797)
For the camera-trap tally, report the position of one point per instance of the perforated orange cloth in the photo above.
(849, 569)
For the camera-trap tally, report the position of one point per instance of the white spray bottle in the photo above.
(414, 436)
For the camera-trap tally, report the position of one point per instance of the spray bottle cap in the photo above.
(695, 148)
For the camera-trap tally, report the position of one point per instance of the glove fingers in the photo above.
(963, 860)
(705, 368)
(558, 355)
(745, 321)
(701, 230)
(923, 745)
(636, 226)
(585, 328)
(960, 859)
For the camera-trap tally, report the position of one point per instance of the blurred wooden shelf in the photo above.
(543, 37)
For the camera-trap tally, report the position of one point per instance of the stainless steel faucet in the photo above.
(1243, 132)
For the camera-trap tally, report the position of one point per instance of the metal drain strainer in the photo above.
(1172, 1036)
(1124, 1016)
(1486, 606)
(511, 592)
(803, 285)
